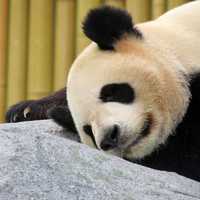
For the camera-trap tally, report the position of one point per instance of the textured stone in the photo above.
(37, 164)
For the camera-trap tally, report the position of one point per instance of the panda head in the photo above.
(124, 99)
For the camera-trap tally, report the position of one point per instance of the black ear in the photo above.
(105, 25)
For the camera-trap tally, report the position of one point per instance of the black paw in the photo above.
(26, 111)
(62, 116)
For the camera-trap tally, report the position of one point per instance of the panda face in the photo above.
(121, 102)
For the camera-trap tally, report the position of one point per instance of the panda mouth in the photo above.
(146, 129)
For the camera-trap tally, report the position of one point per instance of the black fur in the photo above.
(181, 154)
(62, 116)
(88, 130)
(16, 112)
(106, 25)
(117, 92)
(38, 108)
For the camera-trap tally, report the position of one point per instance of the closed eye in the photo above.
(117, 92)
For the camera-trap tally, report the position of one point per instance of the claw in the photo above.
(14, 118)
(27, 113)
(29, 110)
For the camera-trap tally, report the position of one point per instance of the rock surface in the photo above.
(36, 164)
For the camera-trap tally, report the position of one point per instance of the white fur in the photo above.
(154, 67)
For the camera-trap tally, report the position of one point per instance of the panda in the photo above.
(134, 92)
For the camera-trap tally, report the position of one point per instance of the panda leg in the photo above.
(53, 106)
(62, 117)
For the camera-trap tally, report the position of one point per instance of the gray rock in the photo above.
(36, 164)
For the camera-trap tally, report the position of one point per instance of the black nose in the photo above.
(111, 138)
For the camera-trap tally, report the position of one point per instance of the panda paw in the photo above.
(26, 111)
(62, 116)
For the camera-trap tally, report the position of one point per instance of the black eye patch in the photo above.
(117, 92)
(88, 130)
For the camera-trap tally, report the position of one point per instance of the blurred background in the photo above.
(39, 40)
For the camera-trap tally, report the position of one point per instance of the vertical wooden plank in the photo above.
(64, 40)
(40, 63)
(3, 43)
(158, 8)
(17, 51)
(82, 9)
(116, 3)
(174, 3)
(139, 9)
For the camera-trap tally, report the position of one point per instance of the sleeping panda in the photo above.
(135, 90)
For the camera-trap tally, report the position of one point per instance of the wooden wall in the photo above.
(39, 40)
